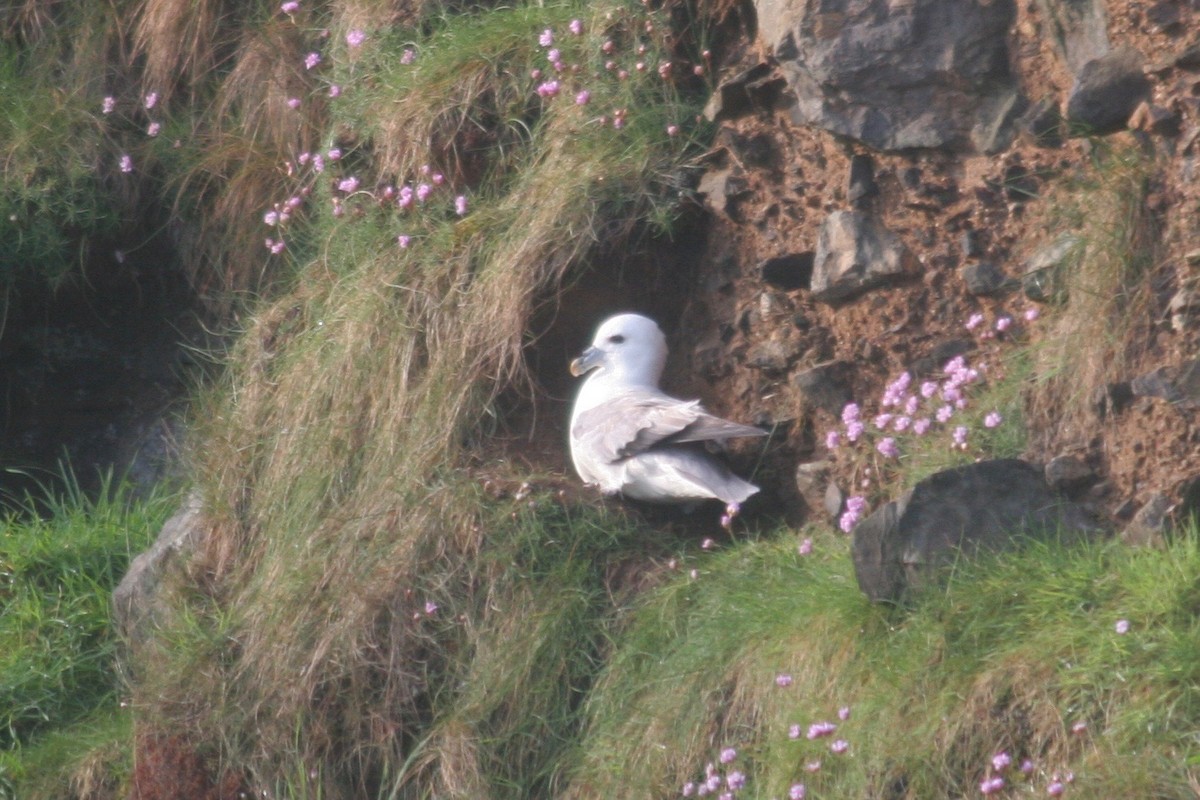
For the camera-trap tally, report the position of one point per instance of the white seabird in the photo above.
(629, 437)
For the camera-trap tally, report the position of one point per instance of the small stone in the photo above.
(985, 278)
(770, 356)
(1149, 526)
(1155, 119)
(825, 386)
(1067, 473)
(972, 243)
(1042, 279)
(835, 498)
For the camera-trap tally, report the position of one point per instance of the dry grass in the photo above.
(1104, 322)
(335, 456)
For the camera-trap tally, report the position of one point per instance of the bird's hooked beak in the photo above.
(588, 360)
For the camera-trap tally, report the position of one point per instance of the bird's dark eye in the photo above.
(616, 338)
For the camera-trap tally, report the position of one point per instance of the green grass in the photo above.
(1015, 651)
(60, 558)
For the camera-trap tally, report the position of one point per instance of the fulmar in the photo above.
(627, 436)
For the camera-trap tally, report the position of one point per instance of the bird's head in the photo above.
(627, 348)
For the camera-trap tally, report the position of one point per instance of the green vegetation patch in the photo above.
(59, 561)
(1076, 667)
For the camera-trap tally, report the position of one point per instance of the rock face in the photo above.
(855, 253)
(989, 505)
(895, 76)
(136, 602)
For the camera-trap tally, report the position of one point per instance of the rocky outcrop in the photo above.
(137, 602)
(854, 253)
(895, 76)
(986, 506)
(1107, 91)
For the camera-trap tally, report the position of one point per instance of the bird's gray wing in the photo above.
(634, 422)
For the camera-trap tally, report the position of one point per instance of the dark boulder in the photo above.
(986, 506)
(1106, 92)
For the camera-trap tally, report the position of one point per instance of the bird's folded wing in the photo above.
(634, 422)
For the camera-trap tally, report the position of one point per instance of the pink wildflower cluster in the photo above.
(998, 776)
(565, 68)
(723, 784)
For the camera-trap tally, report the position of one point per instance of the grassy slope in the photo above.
(58, 682)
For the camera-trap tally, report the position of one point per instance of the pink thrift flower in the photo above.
(335, 90)
(736, 780)
(583, 97)
(1055, 789)
(921, 426)
(1032, 314)
(928, 389)
(126, 163)
(618, 123)
(608, 47)
(727, 755)
(901, 424)
(672, 130)
(944, 413)
(303, 158)
(1122, 626)
(355, 38)
(290, 7)
(783, 680)
(794, 731)
(805, 547)
(887, 447)
(689, 789)
(1001, 761)
(294, 201)
(839, 746)
(974, 321)
(408, 56)
(334, 154)
(850, 413)
(271, 218)
(797, 792)
(423, 192)
(554, 55)
(403, 240)
(108, 105)
(912, 404)
(153, 129)
(847, 521)
(1026, 767)
(821, 729)
(857, 504)
(547, 38)
(844, 713)
(992, 419)
(832, 440)
(960, 436)
(431, 607)
(276, 247)
(311, 60)
(813, 766)
(348, 185)
(882, 420)
(992, 785)
(854, 430)
(576, 27)
(460, 205)
(293, 102)
(1003, 323)
(318, 162)
(707, 544)
(150, 100)
(1079, 728)
(548, 89)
